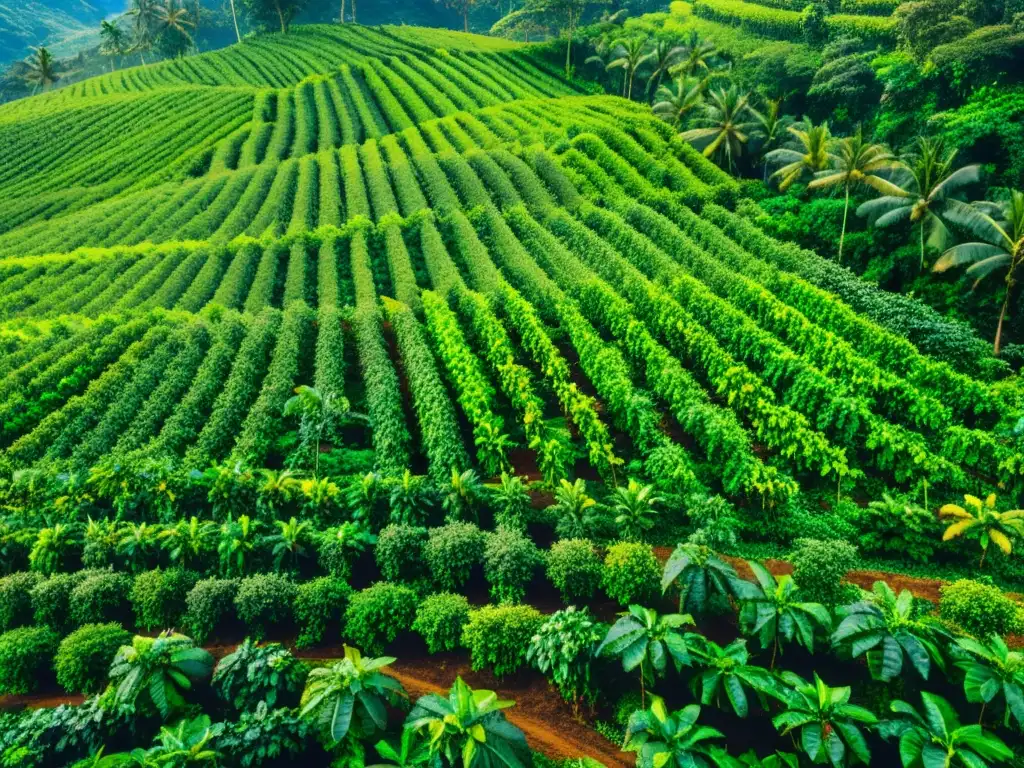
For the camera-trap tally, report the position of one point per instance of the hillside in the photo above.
(66, 26)
(350, 331)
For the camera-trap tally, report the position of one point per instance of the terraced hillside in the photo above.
(452, 235)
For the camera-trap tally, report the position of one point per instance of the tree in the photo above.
(928, 186)
(279, 13)
(173, 25)
(698, 58)
(188, 542)
(674, 105)
(156, 671)
(288, 545)
(145, 18)
(771, 609)
(727, 669)
(320, 414)
(937, 738)
(662, 57)
(699, 574)
(333, 693)
(660, 738)
(807, 154)
(462, 7)
(772, 124)
(634, 505)
(1001, 228)
(724, 126)
(991, 669)
(646, 640)
(885, 628)
(629, 55)
(856, 163)
(570, 11)
(981, 519)
(828, 724)
(467, 727)
(113, 41)
(42, 70)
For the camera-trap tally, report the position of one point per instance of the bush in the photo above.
(510, 560)
(318, 604)
(980, 609)
(498, 636)
(574, 568)
(376, 615)
(451, 552)
(209, 604)
(898, 527)
(100, 598)
(26, 655)
(440, 619)
(264, 601)
(16, 599)
(631, 573)
(563, 650)
(819, 567)
(51, 600)
(83, 657)
(253, 674)
(399, 552)
(159, 597)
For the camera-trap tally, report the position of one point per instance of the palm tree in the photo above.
(828, 723)
(188, 541)
(145, 19)
(333, 693)
(464, 493)
(981, 518)
(155, 671)
(991, 669)
(634, 509)
(727, 668)
(576, 513)
(772, 124)
(806, 154)
(661, 739)
(724, 126)
(114, 41)
(928, 187)
(885, 628)
(937, 738)
(42, 69)
(772, 611)
(174, 18)
(237, 542)
(662, 57)
(288, 545)
(698, 56)
(674, 105)
(646, 640)
(410, 500)
(856, 163)
(629, 55)
(1001, 228)
(699, 574)
(468, 728)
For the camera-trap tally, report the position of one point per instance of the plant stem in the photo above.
(846, 213)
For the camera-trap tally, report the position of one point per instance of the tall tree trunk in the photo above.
(342, 11)
(568, 47)
(354, 12)
(465, 18)
(280, 16)
(846, 212)
(234, 18)
(922, 245)
(1002, 316)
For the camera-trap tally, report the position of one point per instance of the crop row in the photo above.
(784, 24)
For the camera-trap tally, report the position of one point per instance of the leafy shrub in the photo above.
(574, 568)
(498, 636)
(376, 615)
(100, 598)
(510, 560)
(209, 604)
(84, 657)
(898, 527)
(159, 597)
(451, 552)
(631, 573)
(563, 649)
(16, 599)
(253, 674)
(399, 551)
(319, 603)
(264, 601)
(51, 600)
(980, 609)
(440, 619)
(264, 736)
(26, 655)
(819, 567)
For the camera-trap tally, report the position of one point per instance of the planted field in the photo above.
(325, 292)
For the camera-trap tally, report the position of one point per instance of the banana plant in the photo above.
(981, 518)
(189, 541)
(157, 671)
(468, 727)
(992, 671)
(642, 638)
(290, 544)
(634, 506)
(333, 693)
(771, 609)
(699, 574)
(828, 724)
(728, 669)
(885, 628)
(935, 737)
(661, 738)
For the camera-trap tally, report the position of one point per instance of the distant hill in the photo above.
(65, 26)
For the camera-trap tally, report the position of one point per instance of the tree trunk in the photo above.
(922, 245)
(568, 47)
(465, 18)
(280, 16)
(1002, 316)
(846, 213)
(234, 18)
(342, 11)
(354, 12)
